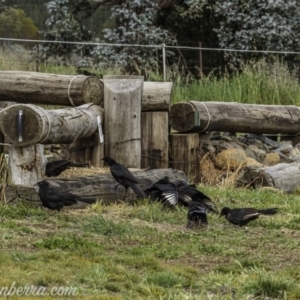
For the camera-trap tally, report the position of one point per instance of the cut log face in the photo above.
(122, 109)
(102, 186)
(44, 88)
(40, 126)
(196, 116)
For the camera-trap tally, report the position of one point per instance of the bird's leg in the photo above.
(117, 186)
(125, 193)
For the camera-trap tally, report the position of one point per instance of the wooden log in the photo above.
(44, 88)
(41, 126)
(155, 140)
(185, 154)
(157, 96)
(284, 177)
(234, 117)
(26, 165)
(102, 186)
(122, 118)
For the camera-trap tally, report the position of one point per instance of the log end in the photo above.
(184, 117)
(92, 90)
(22, 124)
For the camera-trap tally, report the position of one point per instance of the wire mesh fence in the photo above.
(27, 55)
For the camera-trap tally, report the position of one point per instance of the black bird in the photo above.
(180, 192)
(188, 193)
(54, 168)
(124, 177)
(53, 198)
(163, 190)
(242, 216)
(197, 215)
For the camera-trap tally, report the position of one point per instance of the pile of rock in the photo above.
(232, 151)
(258, 160)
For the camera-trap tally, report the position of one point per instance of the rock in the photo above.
(231, 159)
(261, 154)
(253, 162)
(271, 159)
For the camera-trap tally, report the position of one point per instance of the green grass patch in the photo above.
(145, 251)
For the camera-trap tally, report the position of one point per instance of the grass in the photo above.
(145, 251)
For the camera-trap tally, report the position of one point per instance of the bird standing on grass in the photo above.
(242, 216)
(53, 198)
(124, 177)
(197, 215)
(54, 168)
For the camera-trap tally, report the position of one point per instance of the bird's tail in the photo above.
(78, 165)
(137, 190)
(87, 200)
(268, 211)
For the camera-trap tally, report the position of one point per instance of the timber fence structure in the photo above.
(120, 116)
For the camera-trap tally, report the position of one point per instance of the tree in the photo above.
(15, 24)
(135, 24)
(62, 26)
(257, 25)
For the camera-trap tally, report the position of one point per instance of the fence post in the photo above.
(164, 61)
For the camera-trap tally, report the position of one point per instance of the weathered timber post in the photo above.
(86, 149)
(156, 96)
(122, 121)
(155, 124)
(155, 139)
(43, 88)
(284, 176)
(34, 126)
(196, 116)
(102, 186)
(26, 165)
(185, 154)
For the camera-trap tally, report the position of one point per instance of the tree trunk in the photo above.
(122, 118)
(40, 126)
(185, 154)
(285, 177)
(234, 117)
(101, 186)
(43, 88)
(156, 96)
(155, 140)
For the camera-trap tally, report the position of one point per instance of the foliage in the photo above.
(15, 24)
(61, 26)
(135, 24)
(246, 25)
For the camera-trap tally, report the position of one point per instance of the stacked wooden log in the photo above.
(135, 119)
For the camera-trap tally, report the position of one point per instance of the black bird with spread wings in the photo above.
(242, 216)
(178, 192)
(123, 176)
(55, 167)
(53, 198)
